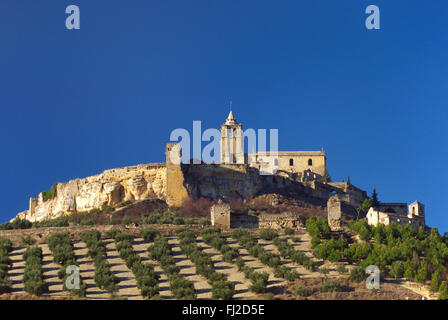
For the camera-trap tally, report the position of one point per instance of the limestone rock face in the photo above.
(139, 182)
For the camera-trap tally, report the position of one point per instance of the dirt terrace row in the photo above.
(127, 285)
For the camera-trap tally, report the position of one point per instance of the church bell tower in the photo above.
(232, 141)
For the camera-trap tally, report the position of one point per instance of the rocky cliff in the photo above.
(139, 182)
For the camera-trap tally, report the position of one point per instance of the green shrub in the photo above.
(301, 291)
(112, 233)
(180, 287)
(204, 221)
(330, 286)
(443, 291)
(147, 279)
(50, 194)
(28, 240)
(33, 278)
(362, 228)
(17, 223)
(87, 222)
(149, 234)
(318, 227)
(268, 234)
(104, 277)
(178, 220)
(223, 290)
(239, 232)
(422, 273)
(5, 263)
(436, 281)
(257, 286)
(190, 221)
(63, 254)
(289, 231)
(397, 269)
(90, 236)
(231, 255)
(341, 269)
(57, 222)
(358, 274)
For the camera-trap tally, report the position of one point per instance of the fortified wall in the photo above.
(173, 183)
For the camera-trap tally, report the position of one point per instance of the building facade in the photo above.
(308, 165)
(400, 213)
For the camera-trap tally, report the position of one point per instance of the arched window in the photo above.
(291, 162)
(310, 162)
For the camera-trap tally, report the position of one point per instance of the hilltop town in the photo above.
(223, 230)
(299, 175)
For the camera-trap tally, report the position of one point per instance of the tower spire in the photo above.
(230, 118)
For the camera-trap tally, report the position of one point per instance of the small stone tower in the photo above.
(232, 141)
(220, 214)
(176, 192)
(334, 210)
(416, 209)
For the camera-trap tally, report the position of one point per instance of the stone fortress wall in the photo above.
(174, 183)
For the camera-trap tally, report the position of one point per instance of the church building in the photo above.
(307, 164)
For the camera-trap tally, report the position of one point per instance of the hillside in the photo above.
(277, 287)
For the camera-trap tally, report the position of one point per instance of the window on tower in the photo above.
(291, 162)
(310, 162)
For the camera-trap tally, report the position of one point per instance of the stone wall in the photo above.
(280, 221)
(243, 221)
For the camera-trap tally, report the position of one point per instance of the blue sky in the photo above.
(77, 102)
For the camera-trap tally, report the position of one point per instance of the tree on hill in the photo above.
(348, 180)
(365, 205)
(375, 201)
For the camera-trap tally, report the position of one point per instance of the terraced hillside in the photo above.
(174, 263)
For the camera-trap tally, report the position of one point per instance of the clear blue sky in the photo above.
(74, 103)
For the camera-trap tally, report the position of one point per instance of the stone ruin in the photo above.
(221, 216)
(334, 210)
